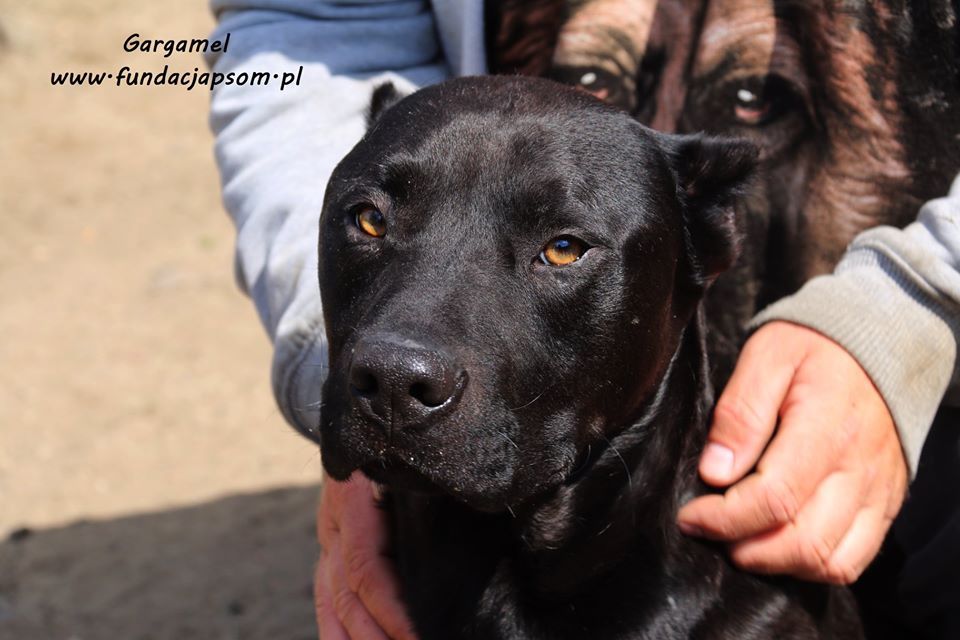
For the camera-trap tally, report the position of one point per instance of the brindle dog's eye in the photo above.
(563, 250)
(371, 222)
(750, 107)
(759, 101)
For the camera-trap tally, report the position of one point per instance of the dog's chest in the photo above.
(464, 577)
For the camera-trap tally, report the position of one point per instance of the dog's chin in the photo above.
(390, 470)
(399, 476)
(400, 469)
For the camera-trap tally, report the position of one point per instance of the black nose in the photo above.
(403, 382)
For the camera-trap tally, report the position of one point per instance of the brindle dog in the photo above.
(855, 106)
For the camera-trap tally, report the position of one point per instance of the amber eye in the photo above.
(371, 222)
(563, 250)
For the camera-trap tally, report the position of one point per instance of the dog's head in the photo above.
(506, 268)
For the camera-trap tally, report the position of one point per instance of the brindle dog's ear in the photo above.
(384, 97)
(712, 173)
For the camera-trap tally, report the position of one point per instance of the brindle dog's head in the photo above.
(855, 106)
(506, 267)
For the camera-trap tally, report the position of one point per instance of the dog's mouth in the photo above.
(461, 451)
(412, 470)
(399, 471)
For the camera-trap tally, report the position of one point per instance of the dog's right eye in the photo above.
(371, 221)
(562, 251)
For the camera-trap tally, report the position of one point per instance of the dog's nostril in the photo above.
(365, 383)
(424, 394)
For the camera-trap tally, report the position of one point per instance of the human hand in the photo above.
(356, 589)
(833, 478)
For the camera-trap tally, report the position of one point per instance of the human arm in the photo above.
(276, 151)
(826, 489)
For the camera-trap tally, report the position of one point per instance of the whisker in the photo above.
(622, 461)
(504, 434)
(537, 397)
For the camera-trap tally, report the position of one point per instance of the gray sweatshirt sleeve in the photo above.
(893, 302)
(276, 149)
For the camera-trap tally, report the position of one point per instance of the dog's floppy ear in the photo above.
(384, 97)
(711, 174)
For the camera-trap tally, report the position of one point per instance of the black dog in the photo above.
(512, 275)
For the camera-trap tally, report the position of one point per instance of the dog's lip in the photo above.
(396, 472)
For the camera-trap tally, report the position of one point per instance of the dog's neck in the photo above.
(626, 500)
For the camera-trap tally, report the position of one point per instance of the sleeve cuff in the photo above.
(299, 369)
(891, 327)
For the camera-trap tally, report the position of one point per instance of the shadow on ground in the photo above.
(234, 568)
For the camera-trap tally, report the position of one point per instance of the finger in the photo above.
(336, 497)
(362, 523)
(328, 625)
(376, 585)
(804, 547)
(746, 413)
(803, 452)
(326, 522)
(749, 508)
(370, 573)
(859, 547)
(348, 608)
(363, 588)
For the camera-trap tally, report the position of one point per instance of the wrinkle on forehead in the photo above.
(746, 29)
(583, 35)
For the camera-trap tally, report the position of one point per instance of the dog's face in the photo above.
(506, 267)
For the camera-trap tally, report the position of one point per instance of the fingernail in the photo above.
(717, 461)
(690, 529)
(377, 491)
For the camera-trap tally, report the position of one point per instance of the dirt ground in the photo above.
(149, 488)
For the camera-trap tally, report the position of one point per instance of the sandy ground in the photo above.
(148, 486)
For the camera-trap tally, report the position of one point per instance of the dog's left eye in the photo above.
(371, 221)
(562, 251)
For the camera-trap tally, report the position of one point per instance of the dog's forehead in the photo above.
(543, 164)
(489, 150)
(518, 173)
(474, 117)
